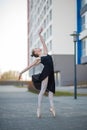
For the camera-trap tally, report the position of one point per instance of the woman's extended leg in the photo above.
(40, 96)
(51, 103)
(50, 95)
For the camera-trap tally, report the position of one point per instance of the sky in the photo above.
(13, 35)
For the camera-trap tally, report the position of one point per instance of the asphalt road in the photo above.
(18, 111)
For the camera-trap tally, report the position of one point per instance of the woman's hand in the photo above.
(41, 30)
(19, 76)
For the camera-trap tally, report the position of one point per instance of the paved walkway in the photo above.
(18, 112)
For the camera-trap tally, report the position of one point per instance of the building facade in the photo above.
(82, 29)
(58, 18)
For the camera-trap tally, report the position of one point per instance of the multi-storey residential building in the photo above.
(82, 29)
(58, 18)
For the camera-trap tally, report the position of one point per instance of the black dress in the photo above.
(48, 70)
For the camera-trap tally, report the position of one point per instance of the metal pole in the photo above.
(75, 72)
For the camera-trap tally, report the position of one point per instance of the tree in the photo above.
(10, 75)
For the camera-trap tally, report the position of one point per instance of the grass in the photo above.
(60, 93)
(57, 93)
(64, 93)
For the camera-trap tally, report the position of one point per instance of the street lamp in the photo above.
(75, 36)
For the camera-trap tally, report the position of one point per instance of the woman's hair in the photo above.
(33, 54)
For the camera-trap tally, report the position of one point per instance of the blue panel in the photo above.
(79, 51)
(79, 48)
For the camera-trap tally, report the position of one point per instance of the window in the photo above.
(50, 45)
(45, 36)
(84, 21)
(31, 5)
(50, 30)
(84, 47)
(44, 23)
(38, 10)
(50, 15)
(47, 33)
(50, 2)
(47, 5)
(44, 10)
(84, 2)
(47, 19)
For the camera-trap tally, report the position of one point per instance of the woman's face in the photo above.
(37, 51)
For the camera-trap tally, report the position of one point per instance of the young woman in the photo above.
(46, 77)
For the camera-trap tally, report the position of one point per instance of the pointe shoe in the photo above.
(38, 113)
(53, 112)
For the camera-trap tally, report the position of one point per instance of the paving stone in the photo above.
(18, 112)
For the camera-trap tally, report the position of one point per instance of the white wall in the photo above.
(64, 23)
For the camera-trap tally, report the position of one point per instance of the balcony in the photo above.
(83, 9)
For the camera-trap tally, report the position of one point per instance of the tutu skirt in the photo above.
(36, 81)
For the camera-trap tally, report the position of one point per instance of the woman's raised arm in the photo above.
(43, 42)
